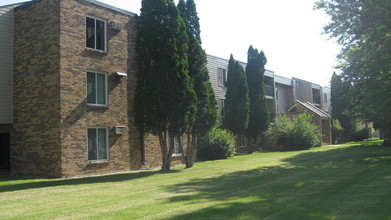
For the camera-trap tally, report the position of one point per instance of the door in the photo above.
(4, 152)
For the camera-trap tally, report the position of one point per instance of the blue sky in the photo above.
(289, 32)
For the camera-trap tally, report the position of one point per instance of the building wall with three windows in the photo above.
(68, 97)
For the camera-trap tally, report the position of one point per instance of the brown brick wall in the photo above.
(49, 136)
(35, 137)
(77, 116)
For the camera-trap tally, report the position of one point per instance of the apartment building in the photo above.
(68, 76)
(282, 95)
(67, 81)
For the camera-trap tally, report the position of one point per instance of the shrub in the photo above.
(217, 144)
(361, 133)
(337, 131)
(293, 134)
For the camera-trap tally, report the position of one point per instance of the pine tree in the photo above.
(165, 99)
(236, 99)
(206, 115)
(258, 116)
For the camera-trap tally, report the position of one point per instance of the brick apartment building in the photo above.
(67, 81)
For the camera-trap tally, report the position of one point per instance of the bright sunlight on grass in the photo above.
(352, 181)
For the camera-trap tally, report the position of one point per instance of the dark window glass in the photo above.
(90, 33)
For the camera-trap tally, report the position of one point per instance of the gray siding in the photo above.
(213, 64)
(6, 63)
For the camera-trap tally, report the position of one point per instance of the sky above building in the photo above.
(289, 32)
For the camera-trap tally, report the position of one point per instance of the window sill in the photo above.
(98, 161)
(96, 50)
(97, 105)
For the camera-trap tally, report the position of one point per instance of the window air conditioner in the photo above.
(116, 25)
(119, 129)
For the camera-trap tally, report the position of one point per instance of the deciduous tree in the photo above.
(363, 28)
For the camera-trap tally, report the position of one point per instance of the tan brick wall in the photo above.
(76, 115)
(35, 137)
(49, 136)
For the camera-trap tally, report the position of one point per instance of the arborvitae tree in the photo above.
(259, 117)
(165, 99)
(206, 115)
(236, 99)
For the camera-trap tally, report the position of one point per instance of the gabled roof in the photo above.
(312, 108)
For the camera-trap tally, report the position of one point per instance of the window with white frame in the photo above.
(97, 144)
(222, 107)
(177, 147)
(325, 97)
(242, 141)
(221, 77)
(95, 33)
(96, 88)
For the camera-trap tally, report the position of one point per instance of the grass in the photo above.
(350, 181)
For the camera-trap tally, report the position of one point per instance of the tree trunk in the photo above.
(190, 150)
(166, 151)
(250, 144)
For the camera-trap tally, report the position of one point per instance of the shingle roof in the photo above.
(312, 108)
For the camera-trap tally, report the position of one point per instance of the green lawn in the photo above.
(352, 181)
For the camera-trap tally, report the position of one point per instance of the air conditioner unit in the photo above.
(119, 129)
(116, 25)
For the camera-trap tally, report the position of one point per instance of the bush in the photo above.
(361, 133)
(337, 131)
(217, 144)
(293, 134)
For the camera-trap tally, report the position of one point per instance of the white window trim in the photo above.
(107, 145)
(180, 154)
(244, 141)
(222, 82)
(105, 41)
(222, 101)
(96, 96)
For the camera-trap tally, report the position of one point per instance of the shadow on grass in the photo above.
(32, 183)
(340, 183)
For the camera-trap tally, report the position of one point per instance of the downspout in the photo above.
(143, 150)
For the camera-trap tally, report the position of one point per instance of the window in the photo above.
(221, 77)
(95, 33)
(97, 144)
(242, 141)
(325, 97)
(177, 148)
(222, 107)
(96, 88)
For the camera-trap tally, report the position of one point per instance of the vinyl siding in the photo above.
(6, 63)
(213, 64)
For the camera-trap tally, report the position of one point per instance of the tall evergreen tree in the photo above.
(340, 104)
(206, 115)
(236, 99)
(165, 100)
(259, 117)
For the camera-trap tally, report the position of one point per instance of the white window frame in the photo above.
(105, 33)
(96, 87)
(325, 97)
(222, 106)
(221, 77)
(177, 139)
(242, 141)
(107, 144)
